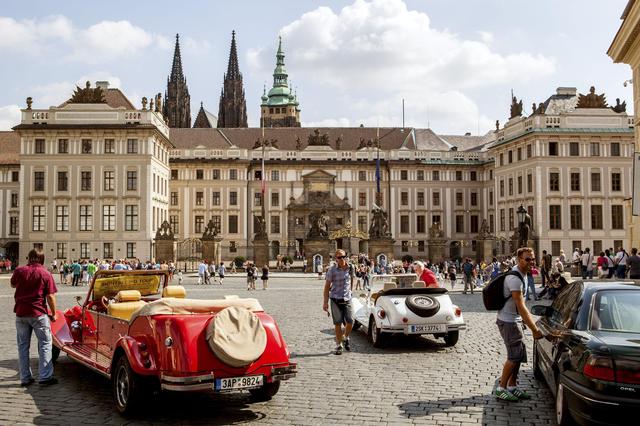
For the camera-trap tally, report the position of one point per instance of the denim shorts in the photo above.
(341, 312)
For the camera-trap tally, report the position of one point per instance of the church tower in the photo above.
(233, 108)
(280, 107)
(176, 108)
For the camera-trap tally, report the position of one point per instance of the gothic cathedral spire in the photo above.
(176, 108)
(233, 108)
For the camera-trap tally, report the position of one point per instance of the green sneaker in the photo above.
(520, 394)
(505, 395)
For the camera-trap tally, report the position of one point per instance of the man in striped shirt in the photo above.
(337, 289)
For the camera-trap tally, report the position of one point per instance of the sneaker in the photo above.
(338, 350)
(27, 383)
(505, 395)
(48, 382)
(347, 345)
(520, 394)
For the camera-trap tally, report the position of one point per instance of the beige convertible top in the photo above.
(172, 305)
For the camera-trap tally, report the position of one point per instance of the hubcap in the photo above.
(122, 386)
(559, 401)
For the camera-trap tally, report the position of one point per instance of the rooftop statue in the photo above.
(318, 140)
(88, 95)
(516, 107)
(620, 107)
(592, 100)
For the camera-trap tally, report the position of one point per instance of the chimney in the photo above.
(104, 85)
(571, 91)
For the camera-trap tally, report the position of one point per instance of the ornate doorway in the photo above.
(189, 253)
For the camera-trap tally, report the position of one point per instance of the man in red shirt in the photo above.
(35, 289)
(425, 274)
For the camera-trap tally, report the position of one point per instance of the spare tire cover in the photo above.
(236, 336)
(422, 305)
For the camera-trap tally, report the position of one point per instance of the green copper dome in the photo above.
(280, 94)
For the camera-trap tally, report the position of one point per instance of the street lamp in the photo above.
(521, 214)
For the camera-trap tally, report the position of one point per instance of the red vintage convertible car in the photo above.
(144, 335)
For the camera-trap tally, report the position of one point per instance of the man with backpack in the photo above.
(509, 321)
(467, 269)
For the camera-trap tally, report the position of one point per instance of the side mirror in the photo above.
(541, 310)
(79, 300)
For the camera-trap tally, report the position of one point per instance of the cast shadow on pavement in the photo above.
(82, 393)
(492, 410)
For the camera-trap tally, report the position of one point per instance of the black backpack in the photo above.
(493, 293)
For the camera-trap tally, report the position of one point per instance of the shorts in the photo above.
(341, 312)
(512, 336)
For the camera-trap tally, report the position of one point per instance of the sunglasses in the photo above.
(340, 257)
(528, 259)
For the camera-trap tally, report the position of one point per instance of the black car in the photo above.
(590, 356)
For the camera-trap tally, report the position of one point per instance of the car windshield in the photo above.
(110, 284)
(617, 311)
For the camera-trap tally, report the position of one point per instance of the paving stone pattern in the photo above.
(413, 381)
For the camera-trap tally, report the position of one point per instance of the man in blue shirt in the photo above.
(337, 287)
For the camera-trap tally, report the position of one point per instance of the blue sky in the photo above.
(352, 62)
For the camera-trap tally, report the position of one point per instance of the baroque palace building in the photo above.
(96, 176)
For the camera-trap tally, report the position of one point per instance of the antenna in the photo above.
(403, 113)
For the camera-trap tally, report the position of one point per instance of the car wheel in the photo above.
(451, 338)
(356, 325)
(55, 353)
(422, 305)
(266, 392)
(563, 415)
(537, 372)
(376, 336)
(127, 387)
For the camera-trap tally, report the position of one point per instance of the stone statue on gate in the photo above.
(164, 232)
(485, 232)
(319, 225)
(436, 232)
(210, 231)
(379, 224)
(261, 228)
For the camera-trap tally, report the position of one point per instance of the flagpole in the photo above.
(263, 183)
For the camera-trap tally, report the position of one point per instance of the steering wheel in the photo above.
(104, 303)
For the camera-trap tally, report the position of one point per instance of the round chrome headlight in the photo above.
(168, 342)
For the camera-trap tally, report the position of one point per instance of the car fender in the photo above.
(139, 353)
(380, 322)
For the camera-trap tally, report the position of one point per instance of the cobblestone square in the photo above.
(413, 381)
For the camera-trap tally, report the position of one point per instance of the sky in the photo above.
(351, 62)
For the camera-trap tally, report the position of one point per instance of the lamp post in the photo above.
(524, 226)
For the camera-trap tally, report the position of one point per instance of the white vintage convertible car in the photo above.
(412, 310)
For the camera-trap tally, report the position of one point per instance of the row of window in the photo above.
(62, 250)
(86, 180)
(85, 218)
(435, 175)
(87, 146)
(575, 179)
(575, 217)
(576, 149)
(216, 174)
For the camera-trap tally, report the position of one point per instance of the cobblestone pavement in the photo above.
(414, 380)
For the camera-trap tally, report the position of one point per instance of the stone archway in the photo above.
(318, 263)
(189, 253)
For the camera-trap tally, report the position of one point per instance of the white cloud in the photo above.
(330, 122)
(98, 43)
(9, 116)
(374, 53)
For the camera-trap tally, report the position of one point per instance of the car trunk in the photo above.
(190, 352)
(624, 349)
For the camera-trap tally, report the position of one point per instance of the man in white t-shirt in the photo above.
(576, 262)
(509, 322)
(621, 263)
(587, 264)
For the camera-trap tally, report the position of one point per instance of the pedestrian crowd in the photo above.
(81, 272)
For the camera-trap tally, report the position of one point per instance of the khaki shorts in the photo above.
(512, 336)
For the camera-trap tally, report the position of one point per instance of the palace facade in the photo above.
(96, 179)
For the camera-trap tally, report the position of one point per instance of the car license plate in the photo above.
(234, 383)
(428, 328)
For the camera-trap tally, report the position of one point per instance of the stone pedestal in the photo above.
(164, 250)
(211, 250)
(381, 246)
(261, 252)
(484, 250)
(437, 249)
(318, 246)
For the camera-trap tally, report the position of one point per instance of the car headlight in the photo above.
(168, 342)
